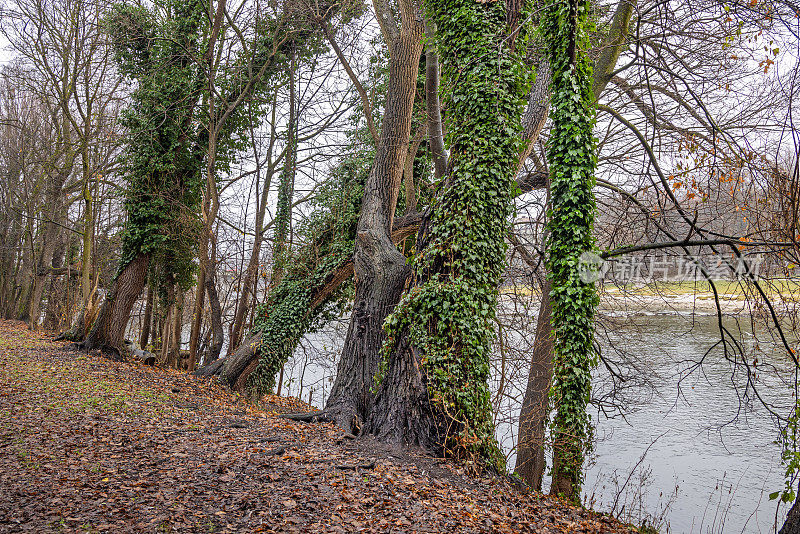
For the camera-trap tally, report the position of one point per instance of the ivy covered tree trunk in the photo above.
(282, 321)
(434, 388)
(571, 156)
(379, 267)
(532, 421)
(283, 215)
(161, 163)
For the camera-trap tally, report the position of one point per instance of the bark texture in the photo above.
(144, 335)
(217, 335)
(535, 404)
(379, 267)
(108, 330)
(792, 523)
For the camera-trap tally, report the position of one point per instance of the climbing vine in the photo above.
(327, 241)
(448, 313)
(161, 162)
(571, 156)
(162, 50)
(790, 456)
(329, 236)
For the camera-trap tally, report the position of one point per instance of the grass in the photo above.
(68, 388)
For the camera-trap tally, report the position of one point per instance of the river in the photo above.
(692, 453)
(709, 453)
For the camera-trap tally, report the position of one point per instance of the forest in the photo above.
(489, 230)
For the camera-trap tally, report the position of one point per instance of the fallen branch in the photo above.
(346, 467)
(311, 417)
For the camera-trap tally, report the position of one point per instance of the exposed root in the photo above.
(312, 417)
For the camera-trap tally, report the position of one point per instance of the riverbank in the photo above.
(685, 297)
(91, 445)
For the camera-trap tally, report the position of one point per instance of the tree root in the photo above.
(347, 420)
(346, 467)
(311, 417)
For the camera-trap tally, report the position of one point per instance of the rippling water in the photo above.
(704, 437)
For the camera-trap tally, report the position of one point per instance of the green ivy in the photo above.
(449, 311)
(790, 456)
(161, 50)
(572, 160)
(329, 237)
(161, 162)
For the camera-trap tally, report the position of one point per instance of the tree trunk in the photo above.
(108, 330)
(230, 369)
(402, 412)
(88, 226)
(144, 335)
(792, 523)
(379, 285)
(199, 301)
(26, 265)
(50, 240)
(59, 286)
(216, 308)
(433, 106)
(166, 327)
(435, 391)
(177, 323)
(250, 276)
(380, 269)
(83, 320)
(235, 367)
(570, 225)
(217, 333)
(535, 405)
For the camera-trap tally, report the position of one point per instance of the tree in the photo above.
(379, 267)
(572, 159)
(530, 463)
(164, 167)
(62, 57)
(434, 389)
(162, 163)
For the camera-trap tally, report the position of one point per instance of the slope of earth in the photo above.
(90, 445)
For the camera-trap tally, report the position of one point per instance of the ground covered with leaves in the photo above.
(91, 445)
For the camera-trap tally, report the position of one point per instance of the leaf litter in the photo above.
(92, 445)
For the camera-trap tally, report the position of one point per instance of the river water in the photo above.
(693, 452)
(709, 453)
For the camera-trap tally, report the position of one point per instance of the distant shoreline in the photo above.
(682, 297)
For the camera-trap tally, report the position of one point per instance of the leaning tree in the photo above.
(165, 50)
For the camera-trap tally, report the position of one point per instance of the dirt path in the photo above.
(89, 445)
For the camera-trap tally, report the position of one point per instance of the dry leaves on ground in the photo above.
(91, 445)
